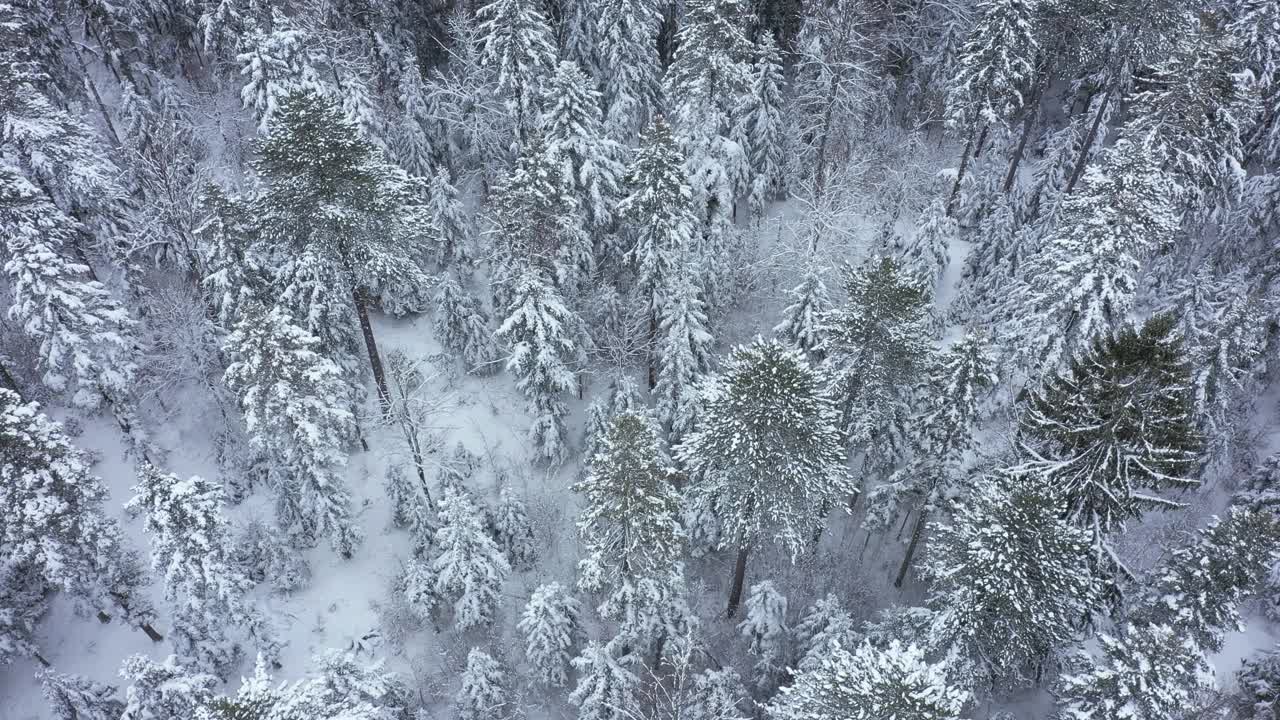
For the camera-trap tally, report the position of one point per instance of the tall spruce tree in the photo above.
(767, 452)
(576, 139)
(519, 48)
(627, 44)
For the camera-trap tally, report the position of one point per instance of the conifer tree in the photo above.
(84, 335)
(513, 531)
(22, 602)
(1010, 579)
(462, 325)
(631, 532)
(293, 403)
(942, 437)
(996, 68)
(877, 349)
(191, 550)
(1198, 590)
(542, 332)
(765, 628)
(330, 197)
(75, 697)
(1259, 684)
(576, 139)
(658, 211)
(684, 357)
(802, 320)
(450, 233)
(606, 689)
(623, 397)
(759, 115)
(627, 43)
(54, 522)
(767, 451)
(1112, 429)
(483, 692)
(718, 695)
(416, 146)
(551, 628)
(1151, 672)
(470, 568)
(824, 622)
(162, 690)
(519, 48)
(929, 250)
(1084, 280)
(869, 683)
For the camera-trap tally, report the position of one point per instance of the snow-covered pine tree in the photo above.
(801, 324)
(930, 248)
(579, 23)
(1113, 428)
(1198, 589)
(717, 695)
(470, 568)
(576, 138)
(329, 196)
(877, 349)
(623, 397)
(1150, 672)
(294, 406)
(483, 692)
(869, 683)
(606, 689)
(822, 623)
(23, 599)
(1084, 279)
(551, 628)
(163, 690)
(1259, 685)
(509, 522)
(658, 213)
(274, 62)
(264, 554)
(191, 550)
(538, 225)
(943, 435)
(54, 521)
(451, 234)
(704, 84)
(1010, 580)
(84, 334)
(684, 358)
(627, 45)
(767, 452)
(416, 145)
(631, 532)
(996, 66)
(418, 586)
(760, 129)
(543, 335)
(519, 48)
(1191, 108)
(462, 324)
(1253, 24)
(765, 628)
(75, 697)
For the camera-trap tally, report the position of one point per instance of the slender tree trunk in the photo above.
(40, 659)
(820, 170)
(964, 165)
(1089, 139)
(981, 145)
(822, 525)
(375, 360)
(147, 628)
(1033, 110)
(903, 526)
(739, 575)
(653, 344)
(93, 87)
(916, 532)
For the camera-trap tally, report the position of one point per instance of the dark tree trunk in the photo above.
(822, 525)
(739, 575)
(653, 341)
(152, 633)
(916, 532)
(371, 344)
(1089, 140)
(820, 171)
(7, 379)
(1033, 110)
(40, 659)
(964, 165)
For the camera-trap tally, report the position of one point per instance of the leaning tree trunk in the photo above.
(1089, 140)
(1033, 110)
(820, 168)
(739, 575)
(916, 532)
(361, 300)
(964, 166)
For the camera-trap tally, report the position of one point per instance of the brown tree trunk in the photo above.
(375, 360)
(7, 380)
(916, 532)
(820, 171)
(40, 659)
(964, 165)
(653, 343)
(739, 575)
(1033, 109)
(152, 633)
(1089, 139)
